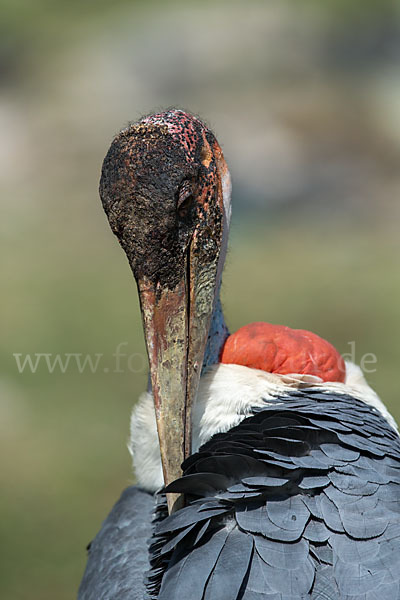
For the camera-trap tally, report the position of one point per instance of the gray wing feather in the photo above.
(187, 574)
(231, 567)
(119, 554)
(313, 498)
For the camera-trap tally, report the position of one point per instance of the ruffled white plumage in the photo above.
(227, 394)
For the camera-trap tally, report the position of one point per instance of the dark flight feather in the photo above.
(301, 500)
(312, 507)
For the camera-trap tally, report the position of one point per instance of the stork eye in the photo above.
(184, 206)
(185, 199)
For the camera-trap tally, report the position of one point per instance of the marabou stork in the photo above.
(289, 487)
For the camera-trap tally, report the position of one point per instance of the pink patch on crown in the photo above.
(183, 126)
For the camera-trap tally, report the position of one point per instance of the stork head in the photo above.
(165, 188)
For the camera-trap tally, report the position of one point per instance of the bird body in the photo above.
(300, 500)
(267, 468)
(228, 393)
(118, 556)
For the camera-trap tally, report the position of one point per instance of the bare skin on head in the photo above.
(162, 188)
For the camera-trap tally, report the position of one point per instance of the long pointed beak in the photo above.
(176, 261)
(176, 323)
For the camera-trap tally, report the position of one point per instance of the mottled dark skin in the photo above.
(162, 190)
(159, 183)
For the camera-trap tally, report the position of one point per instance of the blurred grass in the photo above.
(305, 99)
(65, 434)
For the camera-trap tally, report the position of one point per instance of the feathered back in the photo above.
(301, 500)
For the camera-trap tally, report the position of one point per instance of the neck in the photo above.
(216, 336)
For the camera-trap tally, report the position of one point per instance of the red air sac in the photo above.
(280, 349)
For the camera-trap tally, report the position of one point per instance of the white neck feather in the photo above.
(226, 396)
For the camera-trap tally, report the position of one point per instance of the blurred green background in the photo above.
(304, 97)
